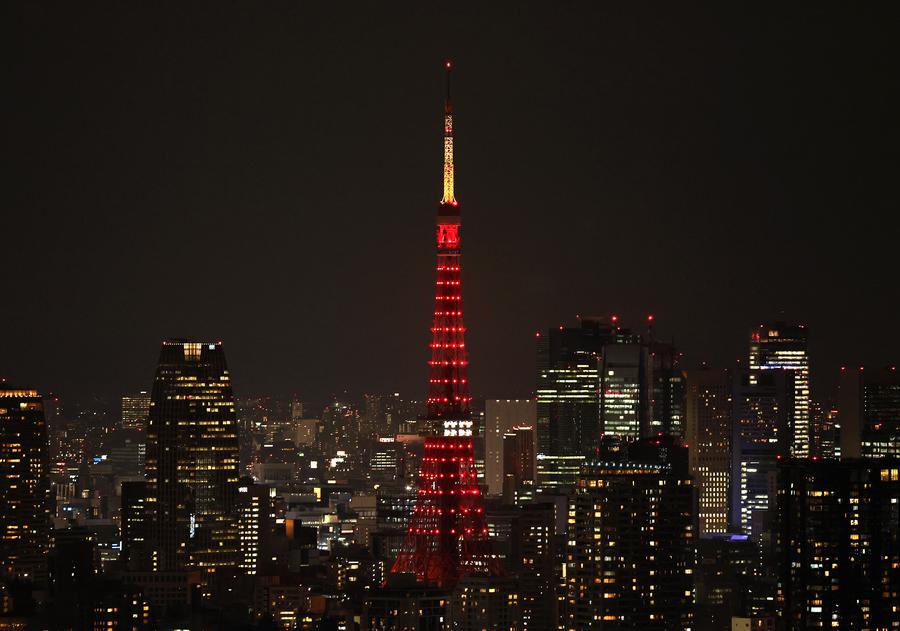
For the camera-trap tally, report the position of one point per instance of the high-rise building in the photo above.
(762, 409)
(869, 412)
(447, 536)
(667, 388)
(624, 395)
(24, 485)
(519, 457)
(783, 346)
(135, 409)
(133, 524)
(839, 544)
(709, 445)
(500, 416)
(568, 399)
(256, 523)
(595, 381)
(192, 459)
(631, 551)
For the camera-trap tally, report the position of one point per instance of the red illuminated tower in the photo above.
(447, 536)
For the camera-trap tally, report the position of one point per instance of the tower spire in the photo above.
(448, 197)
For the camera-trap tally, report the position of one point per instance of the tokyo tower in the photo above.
(447, 537)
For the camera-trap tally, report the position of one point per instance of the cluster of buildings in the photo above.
(628, 493)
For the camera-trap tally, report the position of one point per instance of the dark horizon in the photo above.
(269, 178)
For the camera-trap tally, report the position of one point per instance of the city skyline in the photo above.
(645, 184)
(299, 174)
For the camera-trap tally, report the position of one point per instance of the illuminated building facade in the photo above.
(447, 537)
(869, 413)
(709, 445)
(500, 416)
(631, 551)
(839, 544)
(624, 405)
(192, 459)
(762, 408)
(783, 346)
(568, 389)
(135, 409)
(256, 521)
(24, 485)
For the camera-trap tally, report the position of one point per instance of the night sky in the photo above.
(268, 174)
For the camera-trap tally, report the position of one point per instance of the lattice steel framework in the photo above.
(448, 536)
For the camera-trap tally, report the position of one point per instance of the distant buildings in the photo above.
(519, 458)
(599, 381)
(869, 412)
(24, 485)
(192, 459)
(135, 409)
(500, 416)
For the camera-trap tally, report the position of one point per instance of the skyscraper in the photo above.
(762, 409)
(869, 412)
(447, 536)
(568, 399)
(192, 459)
(780, 345)
(24, 486)
(135, 409)
(519, 460)
(667, 388)
(709, 440)
(500, 416)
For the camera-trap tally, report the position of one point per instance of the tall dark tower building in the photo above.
(192, 459)
(24, 486)
(447, 536)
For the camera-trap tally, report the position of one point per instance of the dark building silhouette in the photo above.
(869, 412)
(838, 544)
(24, 485)
(133, 523)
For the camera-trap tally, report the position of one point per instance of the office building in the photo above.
(192, 459)
(762, 409)
(24, 485)
(135, 409)
(256, 522)
(500, 416)
(519, 457)
(869, 412)
(783, 346)
(667, 389)
(709, 445)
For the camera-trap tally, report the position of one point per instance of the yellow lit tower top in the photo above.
(448, 145)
